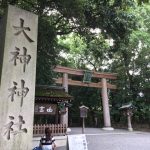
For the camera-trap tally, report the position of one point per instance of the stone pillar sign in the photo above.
(17, 78)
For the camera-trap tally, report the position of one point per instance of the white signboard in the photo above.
(77, 142)
(45, 109)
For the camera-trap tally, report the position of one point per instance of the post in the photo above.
(64, 117)
(105, 103)
(18, 52)
(83, 115)
(83, 125)
(129, 114)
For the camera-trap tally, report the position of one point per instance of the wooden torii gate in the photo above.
(65, 81)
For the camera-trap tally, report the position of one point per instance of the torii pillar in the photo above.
(64, 117)
(105, 103)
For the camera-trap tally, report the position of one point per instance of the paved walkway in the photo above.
(98, 139)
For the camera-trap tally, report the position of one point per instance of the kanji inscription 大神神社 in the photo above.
(23, 58)
(20, 92)
(18, 52)
(22, 29)
(9, 128)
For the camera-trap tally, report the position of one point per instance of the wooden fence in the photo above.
(57, 129)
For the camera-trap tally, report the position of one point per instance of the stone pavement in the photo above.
(98, 139)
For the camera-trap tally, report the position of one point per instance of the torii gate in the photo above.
(103, 84)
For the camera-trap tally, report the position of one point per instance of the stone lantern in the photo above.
(127, 110)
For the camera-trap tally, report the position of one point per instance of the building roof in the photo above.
(127, 106)
(51, 93)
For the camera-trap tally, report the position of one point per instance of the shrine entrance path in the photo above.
(98, 139)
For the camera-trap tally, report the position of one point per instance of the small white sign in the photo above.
(41, 109)
(77, 142)
(50, 109)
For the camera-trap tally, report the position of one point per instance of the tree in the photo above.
(116, 19)
(130, 60)
(55, 18)
(132, 66)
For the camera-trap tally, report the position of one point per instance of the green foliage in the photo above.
(92, 51)
(132, 66)
(89, 97)
(55, 18)
(47, 53)
(129, 55)
(72, 47)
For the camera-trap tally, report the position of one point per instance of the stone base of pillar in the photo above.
(130, 129)
(68, 130)
(108, 128)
